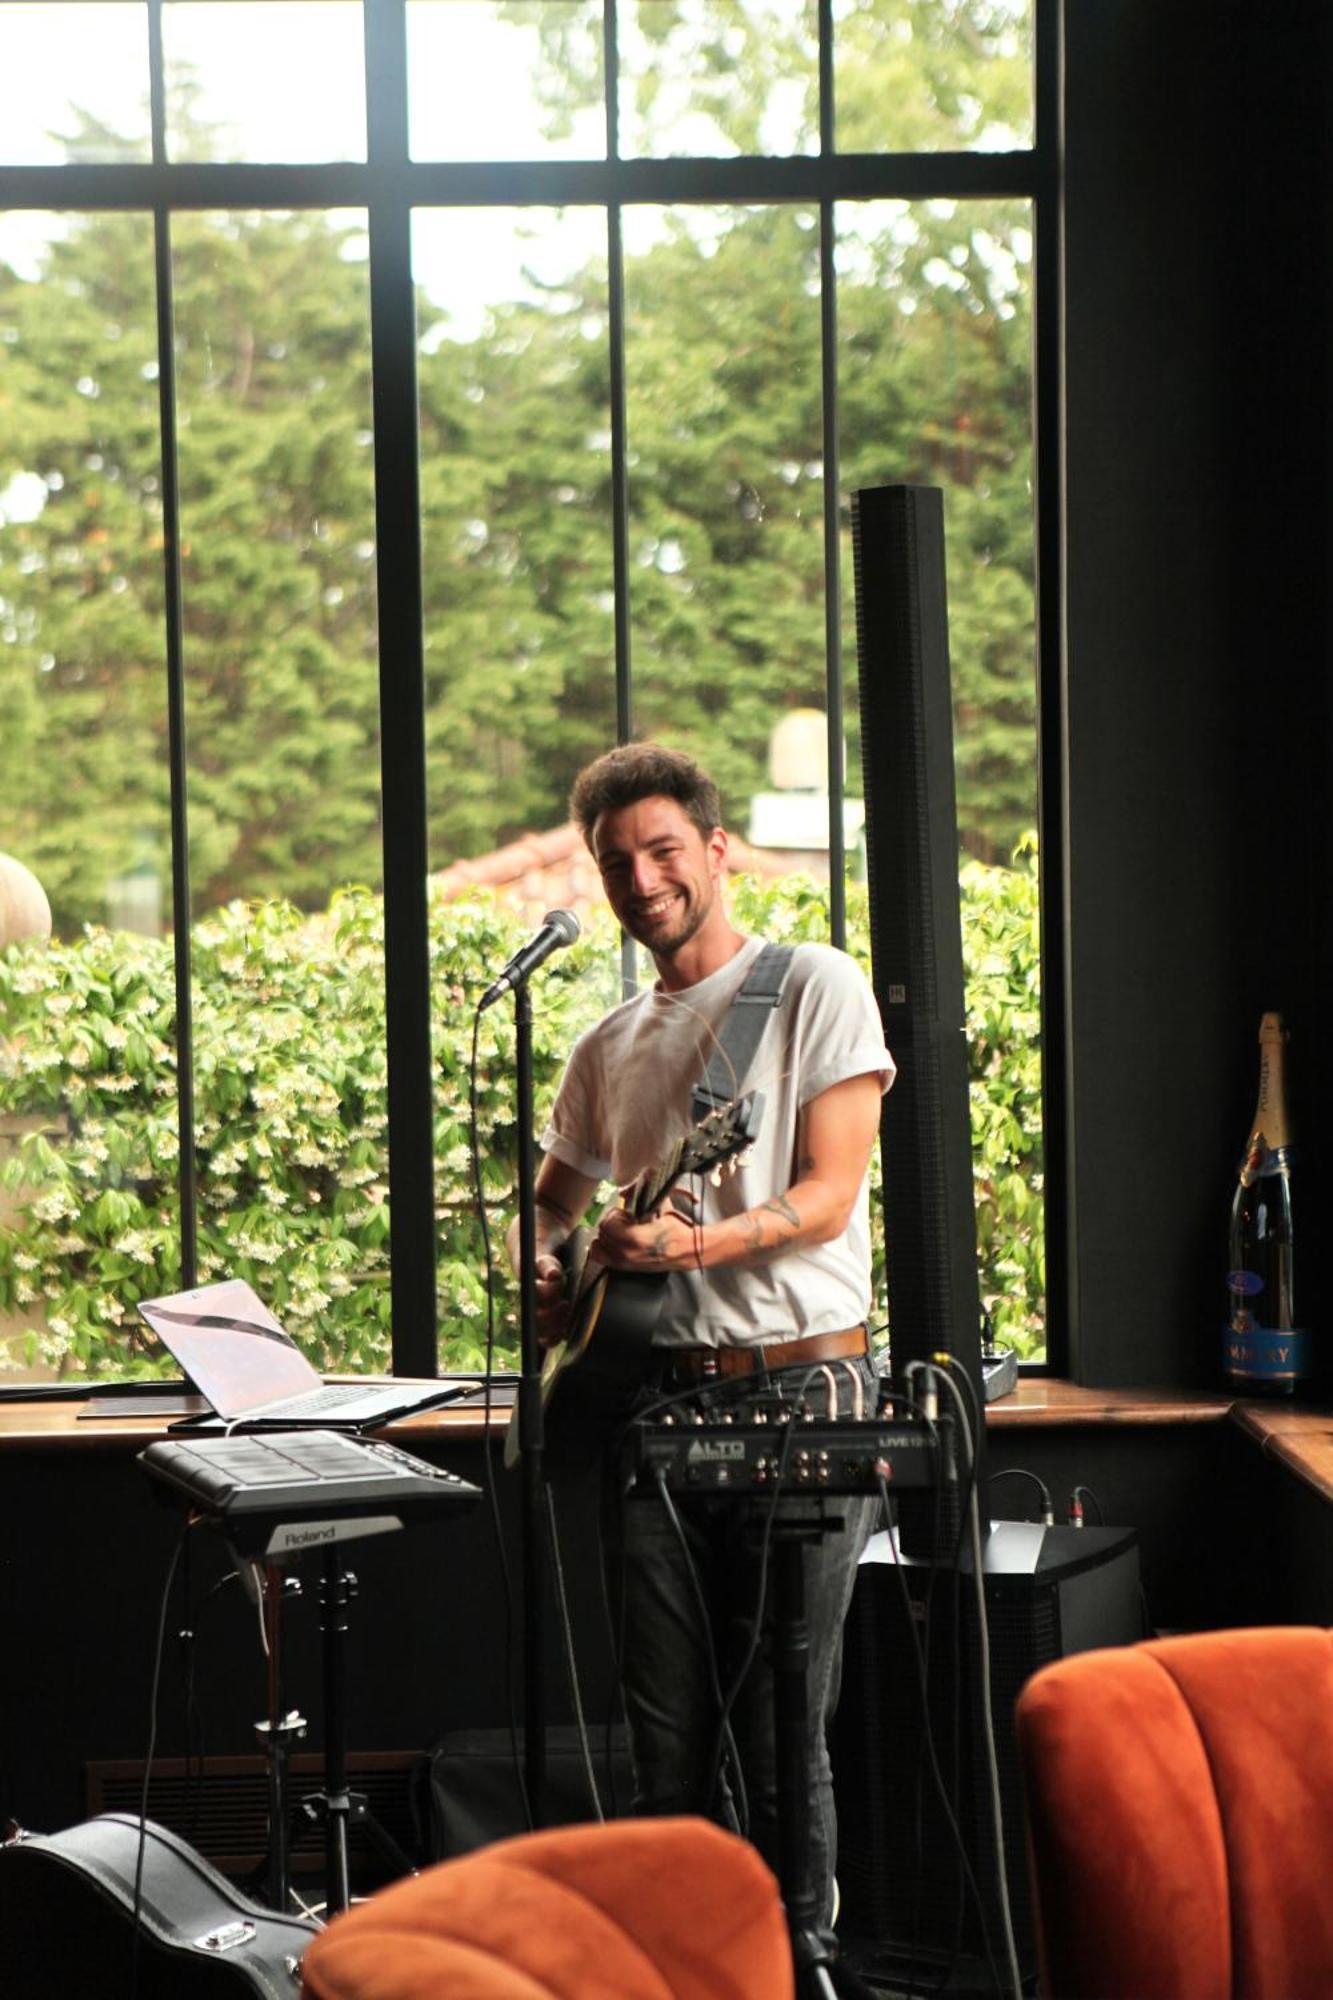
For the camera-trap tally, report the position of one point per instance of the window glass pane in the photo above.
(489, 80)
(265, 80)
(89, 1212)
(932, 75)
(715, 78)
(281, 676)
(935, 387)
(726, 510)
(73, 81)
(519, 651)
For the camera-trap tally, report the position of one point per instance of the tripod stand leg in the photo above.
(276, 1735)
(337, 1588)
(361, 1815)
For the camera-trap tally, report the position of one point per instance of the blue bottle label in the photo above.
(1267, 1353)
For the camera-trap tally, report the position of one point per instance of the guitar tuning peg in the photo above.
(715, 1178)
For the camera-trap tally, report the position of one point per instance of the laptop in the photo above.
(253, 1375)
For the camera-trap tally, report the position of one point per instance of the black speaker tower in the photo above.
(915, 925)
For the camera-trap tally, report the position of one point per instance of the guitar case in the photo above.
(67, 1922)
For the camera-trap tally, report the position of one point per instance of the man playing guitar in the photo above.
(768, 1275)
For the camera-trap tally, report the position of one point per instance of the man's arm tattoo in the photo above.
(754, 1232)
(759, 1240)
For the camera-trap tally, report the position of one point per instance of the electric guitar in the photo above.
(589, 1378)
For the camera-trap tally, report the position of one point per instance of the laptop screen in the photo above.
(230, 1346)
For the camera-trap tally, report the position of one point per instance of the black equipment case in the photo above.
(67, 1922)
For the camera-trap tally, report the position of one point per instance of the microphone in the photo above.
(559, 927)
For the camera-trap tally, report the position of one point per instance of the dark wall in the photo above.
(1225, 1536)
(1197, 233)
(86, 1553)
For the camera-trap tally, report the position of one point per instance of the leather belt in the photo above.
(708, 1364)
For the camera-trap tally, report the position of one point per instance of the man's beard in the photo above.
(666, 945)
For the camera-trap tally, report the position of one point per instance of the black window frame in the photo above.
(388, 186)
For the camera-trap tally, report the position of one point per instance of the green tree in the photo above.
(910, 75)
(279, 640)
(726, 494)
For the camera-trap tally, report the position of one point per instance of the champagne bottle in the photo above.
(1267, 1352)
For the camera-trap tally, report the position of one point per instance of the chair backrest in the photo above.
(652, 1909)
(1180, 1818)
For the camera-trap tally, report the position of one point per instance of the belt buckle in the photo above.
(709, 1368)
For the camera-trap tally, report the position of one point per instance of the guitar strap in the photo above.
(738, 1036)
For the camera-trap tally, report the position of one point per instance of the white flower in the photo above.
(33, 979)
(53, 1207)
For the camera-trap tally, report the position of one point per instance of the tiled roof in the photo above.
(544, 871)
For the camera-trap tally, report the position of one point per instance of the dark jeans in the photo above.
(672, 1661)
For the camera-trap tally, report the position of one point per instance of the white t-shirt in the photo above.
(624, 1102)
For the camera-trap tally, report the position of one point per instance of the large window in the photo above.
(375, 455)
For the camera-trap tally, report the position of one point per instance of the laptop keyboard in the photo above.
(329, 1398)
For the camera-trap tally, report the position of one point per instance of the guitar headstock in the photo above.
(718, 1137)
(721, 1135)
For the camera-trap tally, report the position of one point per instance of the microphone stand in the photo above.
(530, 1427)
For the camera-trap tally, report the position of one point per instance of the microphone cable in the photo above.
(571, 1655)
(725, 1741)
(158, 1650)
(946, 1377)
(487, 1447)
(1043, 1490)
(919, 1633)
(948, 1561)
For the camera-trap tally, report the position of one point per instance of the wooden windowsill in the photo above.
(56, 1422)
(1043, 1400)
(1299, 1438)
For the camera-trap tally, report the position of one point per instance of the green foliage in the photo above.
(290, 1118)
(911, 75)
(1002, 973)
(726, 488)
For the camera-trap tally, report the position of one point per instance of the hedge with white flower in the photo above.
(291, 1145)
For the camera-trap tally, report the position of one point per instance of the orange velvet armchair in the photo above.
(1180, 1818)
(651, 1909)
